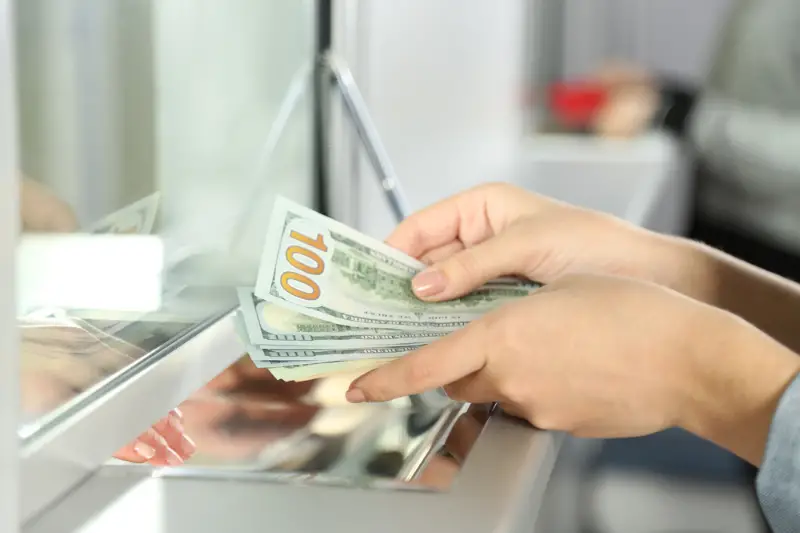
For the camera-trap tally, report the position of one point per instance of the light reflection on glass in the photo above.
(170, 119)
(62, 358)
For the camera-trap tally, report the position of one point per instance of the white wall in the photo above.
(60, 47)
(674, 37)
(122, 98)
(444, 81)
(9, 342)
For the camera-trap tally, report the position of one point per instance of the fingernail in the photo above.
(188, 447)
(145, 450)
(173, 459)
(175, 422)
(429, 283)
(158, 437)
(355, 396)
(177, 413)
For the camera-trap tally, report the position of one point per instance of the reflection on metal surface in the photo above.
(62, 359)
(246, 424)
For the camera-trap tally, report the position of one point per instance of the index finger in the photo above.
(469, 217)
(432, 227)
(440, 363)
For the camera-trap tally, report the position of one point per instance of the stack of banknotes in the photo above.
(329, 300)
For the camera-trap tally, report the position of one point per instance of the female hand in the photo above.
(497, 230)
(60, 362)
(42, 211)
(165, 444)
(606, 357)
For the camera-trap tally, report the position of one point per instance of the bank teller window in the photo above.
(167, 128)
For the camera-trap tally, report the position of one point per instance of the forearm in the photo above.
(735, 377)
(769, 302)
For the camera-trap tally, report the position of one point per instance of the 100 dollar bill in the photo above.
(135, 219)
(269, 358)
(270, 325)
(311, 372)
(324, 269)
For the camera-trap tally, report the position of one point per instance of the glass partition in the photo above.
(154, 137)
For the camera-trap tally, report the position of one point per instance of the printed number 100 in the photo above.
(308, 263)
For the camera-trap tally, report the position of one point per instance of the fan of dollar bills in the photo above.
(329, 299)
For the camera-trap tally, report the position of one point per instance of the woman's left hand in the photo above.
(165, 444)
(606, 357)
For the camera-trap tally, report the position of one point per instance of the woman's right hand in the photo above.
(498, 230)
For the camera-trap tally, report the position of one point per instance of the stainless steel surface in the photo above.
(246, 422)
(9, 228)
(290, 455)
(498, 492)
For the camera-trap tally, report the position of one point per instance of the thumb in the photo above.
(469, 269)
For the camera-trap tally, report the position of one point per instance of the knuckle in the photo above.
(547, 422)
(574, 280)
(456, 393)
(496, 187)
(464, 268)
(571, 278)
(514, 392)
(378, 393)
(503, 331)
(418, 374)
(499, 190)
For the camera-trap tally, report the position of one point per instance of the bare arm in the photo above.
(767, 301)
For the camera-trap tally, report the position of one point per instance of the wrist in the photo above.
(733, 378)
(682, 265)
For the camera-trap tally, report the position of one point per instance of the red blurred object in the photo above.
(575, 103)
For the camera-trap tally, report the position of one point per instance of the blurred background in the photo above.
(674, 114)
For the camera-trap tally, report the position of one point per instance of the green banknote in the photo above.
(323, 269)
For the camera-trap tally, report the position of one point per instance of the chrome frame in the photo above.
(344, 156)
(9, 230)
(359, 118)
(55, 461)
